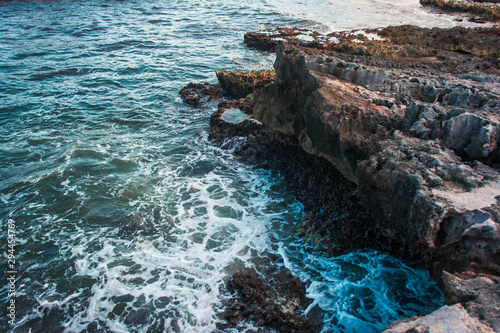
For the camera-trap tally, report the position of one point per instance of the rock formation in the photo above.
(487, 9)
(196, 94)
(447, 319)
(411, 116)
(240, 84)
(275, 300)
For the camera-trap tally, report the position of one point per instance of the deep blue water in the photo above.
(127, 218)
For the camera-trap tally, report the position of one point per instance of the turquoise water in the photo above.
(127, 218)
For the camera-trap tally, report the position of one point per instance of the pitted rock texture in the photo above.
(197, 94)
(448, 319)
(274, 300)
(239, 84)
(477, 292)
(386, 134)
(489, 9)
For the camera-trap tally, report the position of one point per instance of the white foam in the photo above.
(342, 15)
(210, 214)
(305, 38)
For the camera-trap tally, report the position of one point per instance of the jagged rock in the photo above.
(478, 293)
(489, 9)
(325, 193)
(197, 94)
(239, 84)
(422, 145)
(274, 300)
(448, 319)
(358, 118)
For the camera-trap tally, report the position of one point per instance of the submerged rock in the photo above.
(196, 94)
(276, 301)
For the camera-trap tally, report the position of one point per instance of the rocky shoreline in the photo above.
(484, 10)
(405, 121)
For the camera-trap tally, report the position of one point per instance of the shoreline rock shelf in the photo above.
(411, 118)
(485, 9)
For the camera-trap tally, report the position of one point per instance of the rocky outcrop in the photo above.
(489, 9)
(334, 214)
(478, 293)
(276, 301)
(419, 137)
(391, 138)
(405, 43)
(196, 94)
(240, 84)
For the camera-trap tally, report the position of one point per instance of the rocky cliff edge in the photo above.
(412, 117)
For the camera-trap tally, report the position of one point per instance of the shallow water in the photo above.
(127, 218)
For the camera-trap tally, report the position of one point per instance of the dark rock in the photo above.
(487, 9)
(197, 94)
(142, 316)
(119, 308)
(131, 317)
(123, 299)
(274, 301)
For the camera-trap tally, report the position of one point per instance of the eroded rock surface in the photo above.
(240, 84)
(392, 139)
(448, 319)
(487, 9)
(416, 137)
(196, 94)
(276, 301)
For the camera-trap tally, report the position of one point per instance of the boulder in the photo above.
(448, 319)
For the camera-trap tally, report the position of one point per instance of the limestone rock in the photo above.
(397, 151)
(489, 9)
(448, 319)
(478, 293)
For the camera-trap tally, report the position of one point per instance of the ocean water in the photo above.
(125, 217)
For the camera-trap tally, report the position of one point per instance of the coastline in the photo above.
(390, 113)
